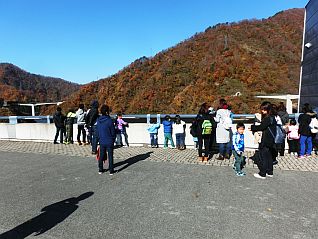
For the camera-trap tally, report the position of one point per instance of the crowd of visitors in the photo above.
(209, 129)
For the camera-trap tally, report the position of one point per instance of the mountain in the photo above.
(19, 85)
(252, 57)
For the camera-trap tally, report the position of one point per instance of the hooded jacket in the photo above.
(106, 131)
(92, 114)
(58, 119)
(80, 115)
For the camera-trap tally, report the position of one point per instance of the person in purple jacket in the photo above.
(167, 129)
(107, 135)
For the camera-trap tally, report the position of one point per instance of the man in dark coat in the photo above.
(58, 119)
(107, 135)
(91, 118)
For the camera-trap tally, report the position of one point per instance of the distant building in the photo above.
(308, 89)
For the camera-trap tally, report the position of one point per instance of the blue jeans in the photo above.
(154, 139)
(94, 138)
(103, 157)
(305, 140)
(180, 140)
(225, 148)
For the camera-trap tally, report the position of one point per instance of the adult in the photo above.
(267, 147)
(92, 117)
(81, 115)
(58, 119)
(106, 133)
(204, 120)
(305, 132)
(223, 137)
(284, 116)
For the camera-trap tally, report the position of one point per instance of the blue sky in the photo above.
(85, 40)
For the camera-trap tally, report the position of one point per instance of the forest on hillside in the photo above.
(253, 57)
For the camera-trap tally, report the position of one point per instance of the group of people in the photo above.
(91, 128)
(209, 128)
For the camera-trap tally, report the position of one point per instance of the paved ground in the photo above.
(54, 191)
(188, 156)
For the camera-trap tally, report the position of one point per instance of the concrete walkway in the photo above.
(54, 191)
(188, 156)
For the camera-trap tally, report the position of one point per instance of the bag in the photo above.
(279, 137)
(206, 127)
(314, 125)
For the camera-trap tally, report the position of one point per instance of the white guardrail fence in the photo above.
(42, 129)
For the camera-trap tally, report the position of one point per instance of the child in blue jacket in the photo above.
(167, 129)
(153, 131)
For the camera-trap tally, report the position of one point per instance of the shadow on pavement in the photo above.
(51, 216)
(130, 161)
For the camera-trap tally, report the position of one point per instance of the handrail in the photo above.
(48, 118)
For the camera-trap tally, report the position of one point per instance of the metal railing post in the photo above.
(13, 119)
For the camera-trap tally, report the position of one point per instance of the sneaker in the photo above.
(220, 157)
(55, 142)
(111, 173)
(256, 175)
(307, 155)
(301, 156)
(270, 175)
(240, 174)
(100, 172)
(94, 153)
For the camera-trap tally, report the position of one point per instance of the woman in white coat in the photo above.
(223, 137)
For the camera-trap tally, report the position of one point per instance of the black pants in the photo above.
(81, 129)
(59, 131)
(206, 140)
(293, 146)
(265, 165)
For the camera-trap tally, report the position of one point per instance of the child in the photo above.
(293, 137)
(121, 130)
(179, 130)
(238, 149)
(153, 131)
(70, 118)
(167, 129)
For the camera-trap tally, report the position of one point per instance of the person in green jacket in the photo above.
(70, 119)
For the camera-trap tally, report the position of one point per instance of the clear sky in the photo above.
(85, 40)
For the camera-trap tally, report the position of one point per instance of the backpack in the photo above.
(194, 128)
(280, 133)
(206, 127)
(314, 125)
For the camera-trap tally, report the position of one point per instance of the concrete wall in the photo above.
(137, 133)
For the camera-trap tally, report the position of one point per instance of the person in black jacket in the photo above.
(284, 116)
(204, 138)
(305, 132)
(106, 134)
(91, 120)
(267, 149)
(58, 119)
